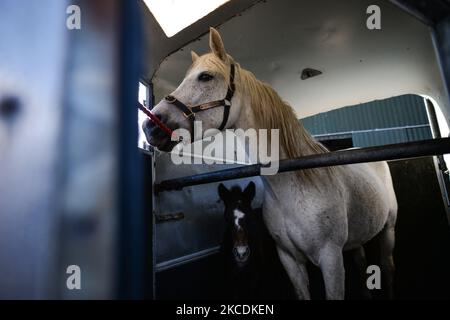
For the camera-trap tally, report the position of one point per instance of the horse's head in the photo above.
(240, 220)
(207, 80)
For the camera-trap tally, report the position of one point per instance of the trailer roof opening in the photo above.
(175, 15)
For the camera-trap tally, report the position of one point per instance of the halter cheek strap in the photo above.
(190, 111)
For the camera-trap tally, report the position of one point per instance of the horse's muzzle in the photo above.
(241, 254)
(156, 136)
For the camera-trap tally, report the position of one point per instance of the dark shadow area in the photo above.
(421, 255)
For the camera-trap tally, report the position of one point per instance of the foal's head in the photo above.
(240, 221)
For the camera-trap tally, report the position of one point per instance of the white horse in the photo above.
(312, 214)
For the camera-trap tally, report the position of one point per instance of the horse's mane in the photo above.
(271, 112)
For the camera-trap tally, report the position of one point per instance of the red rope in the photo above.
(155, 120)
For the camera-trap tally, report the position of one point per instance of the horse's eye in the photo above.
(204, 77)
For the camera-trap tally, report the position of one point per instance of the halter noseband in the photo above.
(190, 111)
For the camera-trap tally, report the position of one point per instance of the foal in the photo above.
(252, 268)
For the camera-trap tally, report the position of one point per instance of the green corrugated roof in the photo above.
(393, 116)
(406, 110)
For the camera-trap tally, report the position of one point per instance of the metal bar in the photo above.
(162, 266)
(135, 279)
(371, 154)
(369, 130)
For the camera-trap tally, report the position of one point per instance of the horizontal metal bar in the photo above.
(165, 217)
(371, 154)
(347, 133)
(162, 266)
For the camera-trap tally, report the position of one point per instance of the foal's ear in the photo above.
(223, 192)
(249, 191)
(194, 56)
(216, 44)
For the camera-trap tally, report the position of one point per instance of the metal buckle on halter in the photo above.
(190, 115)
(204, 106)
(227, 102)
(170, 99)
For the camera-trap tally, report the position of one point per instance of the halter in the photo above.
(190, 111)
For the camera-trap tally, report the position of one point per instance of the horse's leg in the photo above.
(387, 242)
(297, 273)
(358, 257)
(331, 263)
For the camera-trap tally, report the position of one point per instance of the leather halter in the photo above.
(190, 111)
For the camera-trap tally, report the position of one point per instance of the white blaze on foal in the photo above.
(238, 215)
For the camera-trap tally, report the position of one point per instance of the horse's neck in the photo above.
(294, 141)
(247, 120)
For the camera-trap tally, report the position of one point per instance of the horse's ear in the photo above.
(223, 192)
(249, 191)
(216, 44)
(194, 56)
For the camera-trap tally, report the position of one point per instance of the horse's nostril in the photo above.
(147, 125)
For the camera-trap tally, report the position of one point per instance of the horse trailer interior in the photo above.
(82, 186)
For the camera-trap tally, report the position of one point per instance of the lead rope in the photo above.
(155, 120)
